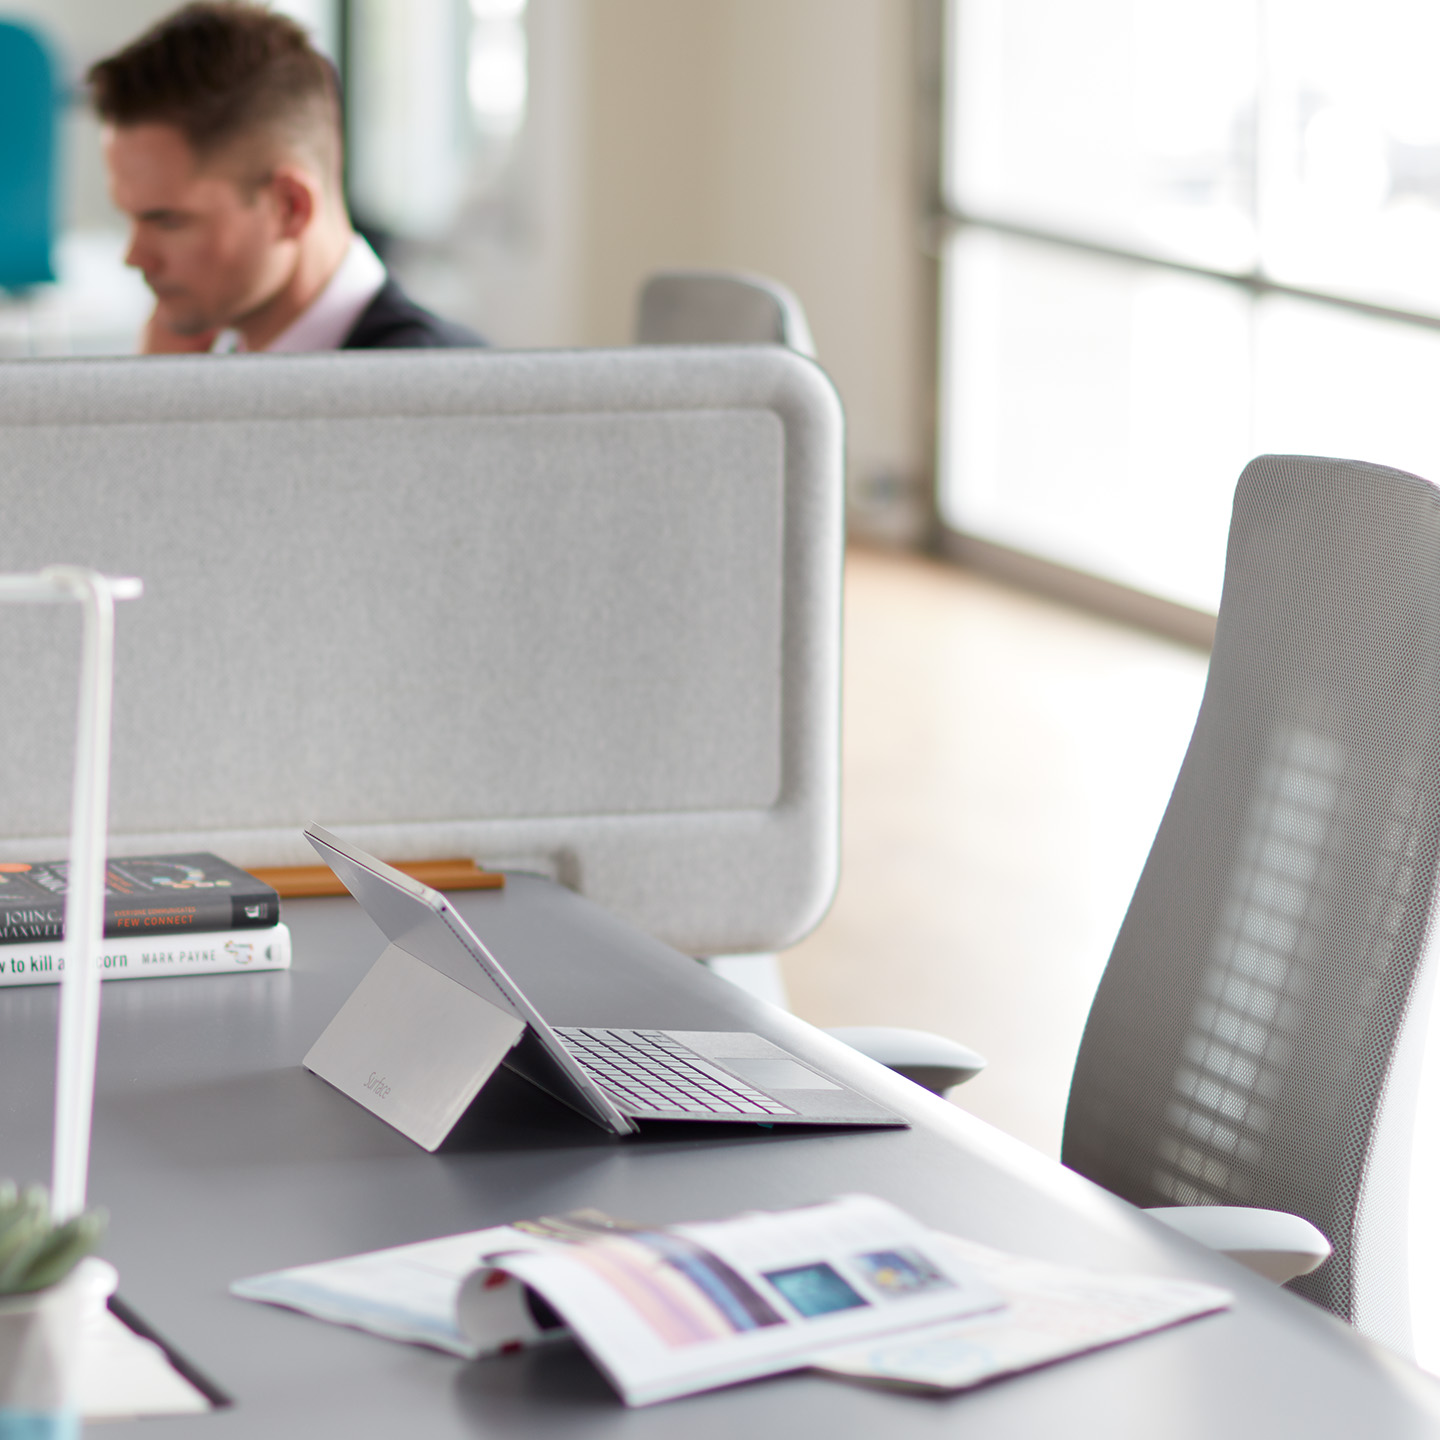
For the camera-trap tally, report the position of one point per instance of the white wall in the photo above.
(770, 135)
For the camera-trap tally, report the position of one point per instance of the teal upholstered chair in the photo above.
(28, 95)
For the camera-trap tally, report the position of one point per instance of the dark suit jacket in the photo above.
(393, 321)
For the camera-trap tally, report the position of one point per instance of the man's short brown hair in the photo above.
(221, 73)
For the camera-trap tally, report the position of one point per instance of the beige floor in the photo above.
(1006, 763)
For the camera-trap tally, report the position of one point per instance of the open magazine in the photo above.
(854, 1288)
(1051, 1313)
(662, 1312)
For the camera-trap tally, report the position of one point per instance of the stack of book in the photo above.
(164, 915)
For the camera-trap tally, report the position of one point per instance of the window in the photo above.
(437, 93)
(1186, 233)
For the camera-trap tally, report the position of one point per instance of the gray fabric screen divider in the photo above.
(572, 611)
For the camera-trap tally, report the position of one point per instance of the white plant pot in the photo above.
(40, 1354)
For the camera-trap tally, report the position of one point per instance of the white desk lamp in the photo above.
(85, 891)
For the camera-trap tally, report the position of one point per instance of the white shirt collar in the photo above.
(331, 316)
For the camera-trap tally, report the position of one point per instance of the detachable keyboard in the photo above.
(648, 1070)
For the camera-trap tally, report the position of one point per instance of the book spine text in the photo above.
(138, 956)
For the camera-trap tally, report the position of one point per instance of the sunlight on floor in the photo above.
(1007, 761)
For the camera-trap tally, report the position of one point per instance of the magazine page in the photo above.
(668, 1312)
(409, 1293)
(1052, 1312)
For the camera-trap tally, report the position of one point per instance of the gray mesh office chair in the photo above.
(720, 307)
(1257, 1035)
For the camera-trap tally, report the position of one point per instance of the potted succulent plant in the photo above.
(42, 1300)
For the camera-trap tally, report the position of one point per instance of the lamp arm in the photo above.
(85, 877)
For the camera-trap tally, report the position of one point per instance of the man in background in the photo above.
(223, 144)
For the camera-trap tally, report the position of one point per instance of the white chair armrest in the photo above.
(1272, 1243)
(928, 1060)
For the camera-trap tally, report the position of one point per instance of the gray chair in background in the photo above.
(1257, 1036)
(724, 307)
(720, 307)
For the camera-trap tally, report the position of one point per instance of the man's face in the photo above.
(208, 238)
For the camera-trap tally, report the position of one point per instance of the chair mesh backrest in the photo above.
(1240, 1042)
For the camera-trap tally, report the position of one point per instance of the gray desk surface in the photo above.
(218, 1156)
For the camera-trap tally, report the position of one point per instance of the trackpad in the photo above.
(777, 1074)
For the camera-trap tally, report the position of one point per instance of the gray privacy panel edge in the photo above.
(403, 595)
